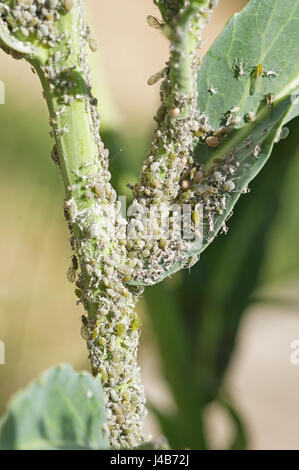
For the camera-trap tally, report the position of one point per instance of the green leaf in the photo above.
(265, 33)
(63, 409)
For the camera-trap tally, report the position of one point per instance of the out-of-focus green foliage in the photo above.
(196, 315)
(63, 409)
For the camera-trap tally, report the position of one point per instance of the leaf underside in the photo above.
(64, 409)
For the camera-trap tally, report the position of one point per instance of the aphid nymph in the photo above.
(270, 74)
(270, 101)
(212, 90)
(256, 79)
(239, 68)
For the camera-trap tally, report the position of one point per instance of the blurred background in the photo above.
(215, 351)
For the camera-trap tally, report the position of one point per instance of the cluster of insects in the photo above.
(38, 18)
(112, 336)
(175, 179)
(169, 173)
(140, 248)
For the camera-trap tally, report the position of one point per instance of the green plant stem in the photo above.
(111, 327)
(163, 182)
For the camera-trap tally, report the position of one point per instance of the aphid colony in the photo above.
(112, 331)
(112, 334)
(36, 18)
(170, 178)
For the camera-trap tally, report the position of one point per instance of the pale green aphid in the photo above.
(256, 79)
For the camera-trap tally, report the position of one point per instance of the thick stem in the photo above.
(169, 170)
(97, 226)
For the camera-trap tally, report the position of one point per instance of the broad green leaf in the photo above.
(263, 38)
(63, 409)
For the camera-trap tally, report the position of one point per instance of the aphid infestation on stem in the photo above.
(110, 268)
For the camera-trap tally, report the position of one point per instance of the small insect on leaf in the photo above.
(270, 100)
(256, 79)
(213, 141)
(192, 261)
(239, 68)
(196, 217)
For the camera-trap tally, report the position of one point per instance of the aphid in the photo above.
(229, 186)
(71, 208)
(192, 261)
(93, 231)
(223, 131)
(54, 155)
(185, 185)
(257, 150)
(218, 176)
(245, 190)
(94, 101)
(212, 90)
(156, 77)
(239, 68)
(251, 116)
(256, 79)
(68, 5)
(53, 3)
(270, 74)
(270, 100)
(213, 141)
(196, 217)
(92, 45)
(161, 113)
(211, 222)
(99, 189)
(71, 273)
(232, 118)
(84, 327)
(175, 112)
(153, 22)
(282, 134)
(224, 228)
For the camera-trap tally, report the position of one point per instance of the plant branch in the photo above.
(169, 169)
(56, 47)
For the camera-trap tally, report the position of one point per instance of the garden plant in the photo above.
(216, 126)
